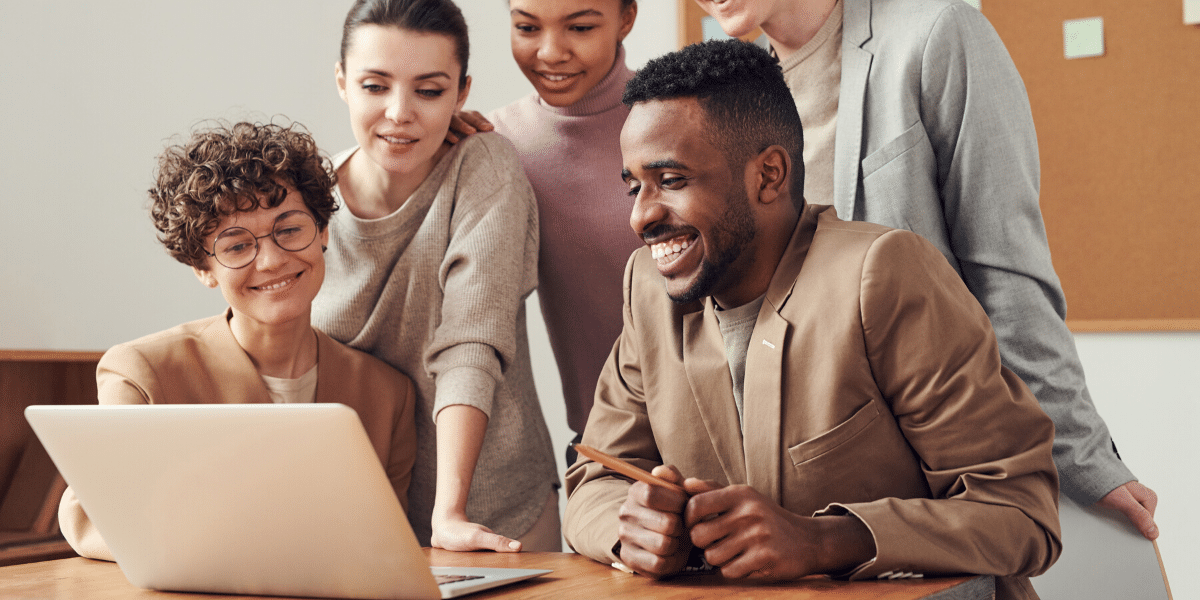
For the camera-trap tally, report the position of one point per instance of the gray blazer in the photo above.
(935, 135)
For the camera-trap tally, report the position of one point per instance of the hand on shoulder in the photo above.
(465, 123)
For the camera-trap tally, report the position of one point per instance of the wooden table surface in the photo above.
(574, 577)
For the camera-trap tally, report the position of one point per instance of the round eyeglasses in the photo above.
(236, 247)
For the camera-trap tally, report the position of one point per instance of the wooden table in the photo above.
(574, 577)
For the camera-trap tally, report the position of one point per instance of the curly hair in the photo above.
(225, 169)
(741, 89)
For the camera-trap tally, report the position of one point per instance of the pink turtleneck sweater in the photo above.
(572, 156)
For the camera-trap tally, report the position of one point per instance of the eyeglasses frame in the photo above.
(257, 246)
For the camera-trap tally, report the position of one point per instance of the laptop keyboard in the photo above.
(443, 579)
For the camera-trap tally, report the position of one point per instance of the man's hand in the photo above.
(748, 536)
(466, 122)
(653, 539)
(1137, 502)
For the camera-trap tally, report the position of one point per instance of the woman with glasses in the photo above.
(246, 207)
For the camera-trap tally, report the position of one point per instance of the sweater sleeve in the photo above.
(980, 124)
(489, 268)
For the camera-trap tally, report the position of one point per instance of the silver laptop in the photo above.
(283, 500)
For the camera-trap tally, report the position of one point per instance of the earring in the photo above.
(324, 248)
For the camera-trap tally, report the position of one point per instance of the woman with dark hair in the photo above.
(567, 133)
(246, 207)
(429, 267)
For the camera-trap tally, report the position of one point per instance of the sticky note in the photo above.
(1083, 38)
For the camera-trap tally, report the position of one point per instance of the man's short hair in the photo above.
(741, 89)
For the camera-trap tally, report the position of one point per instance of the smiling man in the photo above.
(916, 117)
(831, 390)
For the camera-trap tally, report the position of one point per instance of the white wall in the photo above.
(90, 92)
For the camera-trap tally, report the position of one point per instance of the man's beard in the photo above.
(735, 231)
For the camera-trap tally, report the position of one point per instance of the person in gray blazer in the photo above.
(915, 117)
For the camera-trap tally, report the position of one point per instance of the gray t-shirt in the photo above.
(737, 324)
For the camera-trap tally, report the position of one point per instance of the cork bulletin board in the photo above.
(1119, 139)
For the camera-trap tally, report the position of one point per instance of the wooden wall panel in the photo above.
(44, 378)
(29, 484)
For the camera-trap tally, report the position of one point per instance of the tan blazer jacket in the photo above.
(873, 386)
(200, 362)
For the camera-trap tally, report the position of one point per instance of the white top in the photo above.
(302, 389)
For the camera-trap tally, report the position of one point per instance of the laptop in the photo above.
(263, 499)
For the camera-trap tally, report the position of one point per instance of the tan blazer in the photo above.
(200, 362)
(873, 387)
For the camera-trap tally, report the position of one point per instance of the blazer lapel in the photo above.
(332, 372)
(856, 65)
(763, 394)
(755, 461)
(708, 374)
(763, 401)
(238, 379)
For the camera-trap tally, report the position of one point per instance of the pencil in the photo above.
(625, 468)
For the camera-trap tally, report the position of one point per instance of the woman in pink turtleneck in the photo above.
(567, 134)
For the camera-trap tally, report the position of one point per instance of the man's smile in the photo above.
(671, 248)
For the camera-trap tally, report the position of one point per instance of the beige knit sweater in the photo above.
(437, 290)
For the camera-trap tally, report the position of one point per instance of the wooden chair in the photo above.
(29, 511)
(30, 486)
(1104, 557)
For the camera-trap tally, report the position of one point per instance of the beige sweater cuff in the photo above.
(465, 385)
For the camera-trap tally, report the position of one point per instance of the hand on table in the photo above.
(466, 122)
(749, 536)
(1137, 502)
(654, 541)
(461, 535)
